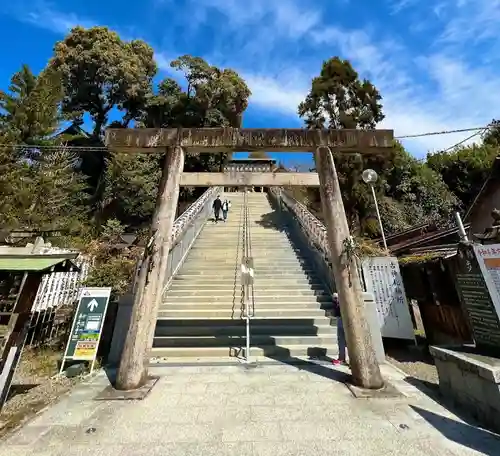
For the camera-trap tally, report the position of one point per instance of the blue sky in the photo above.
(436, 66)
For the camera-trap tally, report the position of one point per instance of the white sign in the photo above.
(383, 280)
(488, 257)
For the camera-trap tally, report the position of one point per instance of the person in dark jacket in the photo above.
(217, 207)
(340, 331)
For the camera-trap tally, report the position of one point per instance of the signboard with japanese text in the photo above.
(478, 283)
(87, 325)
(383, 280)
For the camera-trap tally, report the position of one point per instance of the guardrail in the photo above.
(311, 233)
(186, 229)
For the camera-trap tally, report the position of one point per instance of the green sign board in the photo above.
(87, 325)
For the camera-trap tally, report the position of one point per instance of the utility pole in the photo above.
(364, 365)
(133, 370)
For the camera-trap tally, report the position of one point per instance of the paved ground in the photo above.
(270, 410)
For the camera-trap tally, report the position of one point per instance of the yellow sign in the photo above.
(85, 350)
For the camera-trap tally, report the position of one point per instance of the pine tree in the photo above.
(30, 110)
(59, 198)
(15, 191)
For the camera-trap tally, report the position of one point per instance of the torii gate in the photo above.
(133, 371)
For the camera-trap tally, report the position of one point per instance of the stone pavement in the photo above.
(271, 410)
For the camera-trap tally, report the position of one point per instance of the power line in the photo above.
(444, 132)
(463, 141)
(478, 131)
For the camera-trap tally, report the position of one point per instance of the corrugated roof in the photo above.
(430, 253)
(13, 263)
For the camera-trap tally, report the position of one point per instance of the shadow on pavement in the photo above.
(315, 368)
(18, 389)
(464, 434)
(432, 390)
(111, 374)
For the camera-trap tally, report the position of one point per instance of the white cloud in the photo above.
(284, 97)
(43, 15)
(293, 19)
(278, 46)
(469, 21)
(451, 99)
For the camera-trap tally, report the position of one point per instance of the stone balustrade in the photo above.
(192, 212)
(312, 228)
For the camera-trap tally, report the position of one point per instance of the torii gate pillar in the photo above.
(363, 361)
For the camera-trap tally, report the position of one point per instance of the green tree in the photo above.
(15, 188)
(339, 99)
(417, 192)
(465, 169)
(491, 136)
(58, 192)
(213, 97)
(30, 110)
(408, 191)
(131, 187)
(100, 72)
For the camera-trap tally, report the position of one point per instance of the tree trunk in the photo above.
(133, 370)
(362, 358)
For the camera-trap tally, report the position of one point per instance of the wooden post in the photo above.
(364, 366)
(133, 370)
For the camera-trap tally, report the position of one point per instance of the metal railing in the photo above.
(247, 275)
(185, 231)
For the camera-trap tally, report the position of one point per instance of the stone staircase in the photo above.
(202, 317)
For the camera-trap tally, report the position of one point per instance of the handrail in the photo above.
(237, 266)
(313, 230)
(248, 298)
(185, 231)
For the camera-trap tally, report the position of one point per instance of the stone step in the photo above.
(220, 263)
(216, 280)
(240, 330)
(235, 243)
(235, 305)
(262, 297)
(262, 261)
(306, 321)
(240, 341)
(276, 352)
(202, 313)
(232, 272)
(264, 282)
(229, 284)
(209, 273)
(258, 293)
(259, 255)
(228, 271)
